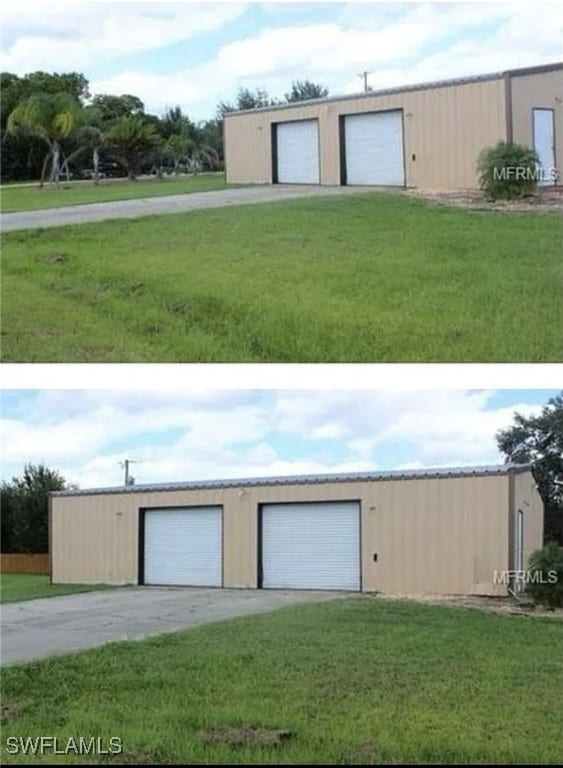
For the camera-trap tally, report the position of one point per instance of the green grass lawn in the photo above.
(33, 198)
(372, 278)
(28, 586)
(356, 681)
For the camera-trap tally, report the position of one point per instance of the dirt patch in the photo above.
(246, 736)
(547, 200)
(8, 713)
(507, 606)
(56, 257)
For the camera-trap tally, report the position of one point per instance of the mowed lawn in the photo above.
(372, 278)
(32, 198)
(29, 586)
(354, 681)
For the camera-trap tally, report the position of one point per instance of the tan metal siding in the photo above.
(432, 536)
(544, 90)
(527, 498)
(444, 127)
(436, 536)
(94, 540)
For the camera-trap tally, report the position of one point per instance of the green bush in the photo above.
(507, 171)
(547, 565)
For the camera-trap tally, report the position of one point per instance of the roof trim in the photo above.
(406, 88)
(344, 477)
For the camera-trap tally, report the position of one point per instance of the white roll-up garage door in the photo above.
(298, 152)
(374, 149)
(183, 546)
(311, 546)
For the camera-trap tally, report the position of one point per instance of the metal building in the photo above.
(424, 136)
(441, 531)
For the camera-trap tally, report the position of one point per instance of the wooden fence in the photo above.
(24, 563)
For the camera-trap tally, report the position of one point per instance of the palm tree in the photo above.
(51, 117)
(132, 140)
(178, 148)
(202, 154)
(92, 138)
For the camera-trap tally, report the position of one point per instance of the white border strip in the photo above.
(226, 376)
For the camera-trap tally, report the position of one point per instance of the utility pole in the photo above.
(364, 77)
(125, 465)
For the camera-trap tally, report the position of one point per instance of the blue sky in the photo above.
(218, 434)
(197, 54)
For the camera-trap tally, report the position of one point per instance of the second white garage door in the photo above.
(298, 152)
(311, 546)
(374, 149)
(183, 546)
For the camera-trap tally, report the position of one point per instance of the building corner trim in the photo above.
(508, 107)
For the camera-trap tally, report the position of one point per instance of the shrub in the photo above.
(547, 563)
(507, 171)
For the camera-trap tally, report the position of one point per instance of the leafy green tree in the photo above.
(211, 134)
(547, 564)
(23, 154)
(25, 509)
(110, 108)
(16, 89)
(539, 441)
(175, 123)
(133, 141)
(303, 90)
(248, 99)
(75, 84)
(51, 117)
(11, 88)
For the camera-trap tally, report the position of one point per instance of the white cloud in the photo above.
(411, 48)
(397, 43)
(81, 34)
(180, 436)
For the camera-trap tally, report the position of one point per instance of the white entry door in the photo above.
(311, 546)
(374, 149)
(183, 546)
(298, 152)
(544, 144)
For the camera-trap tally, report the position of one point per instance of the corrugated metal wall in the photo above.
(444, 127)
(526, 497)
(442, 536)
(543, 90)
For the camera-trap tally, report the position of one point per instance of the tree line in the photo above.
(52, 128)
(535, 439)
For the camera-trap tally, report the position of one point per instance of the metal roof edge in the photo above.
(539, 69)
(398, 474)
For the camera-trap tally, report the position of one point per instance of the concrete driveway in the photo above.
(35, 629)
(152, 206)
